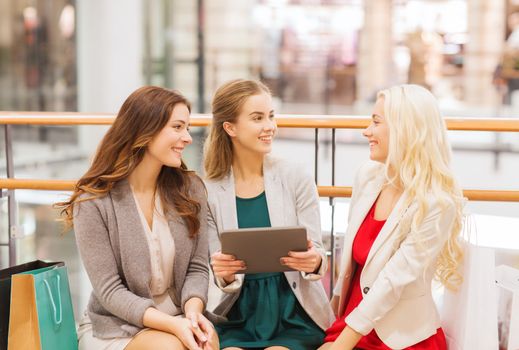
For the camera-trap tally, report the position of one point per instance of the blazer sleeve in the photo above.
(309, 216)
(408, 264)
(96, 252)
(197, 275)
(215, 246)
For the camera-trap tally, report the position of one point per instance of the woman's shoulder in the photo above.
(89, 205)
(197, 186)
(370, 169)
(212, 185)
(103, 201)
(437, 207)
(367, 172)
(440, 202)
(91, 198)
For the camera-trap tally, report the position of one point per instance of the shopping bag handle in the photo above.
(57, 320)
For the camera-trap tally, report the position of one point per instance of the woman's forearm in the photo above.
(158, 320)
(347, 340)
(194, 305)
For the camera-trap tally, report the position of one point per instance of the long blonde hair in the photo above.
(226, 106)
(419, 155)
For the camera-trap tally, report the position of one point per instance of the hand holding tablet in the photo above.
(308, 261)
(226, 266)
(259, 250)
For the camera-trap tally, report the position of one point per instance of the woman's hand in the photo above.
(308, 261)
(202, 328)
(226, 266)
(193, 337)
(183, 329)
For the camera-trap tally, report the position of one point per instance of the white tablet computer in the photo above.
(262, 248)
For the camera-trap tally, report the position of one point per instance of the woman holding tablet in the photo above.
(404, 222)
(247, 188)
(140, 219)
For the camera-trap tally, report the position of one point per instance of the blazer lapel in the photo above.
(226, 196)
(359, 209)
(227, 203)
(183, 248)
(392, 221)
(363, 204)
(274, 195)
(273, 191)
(130, 230)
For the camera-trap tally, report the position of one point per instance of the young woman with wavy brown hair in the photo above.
(140, 217)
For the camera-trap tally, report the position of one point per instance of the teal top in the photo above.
(267, 313)
(253, 212)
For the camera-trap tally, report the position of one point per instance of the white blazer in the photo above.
(396, 279)
(292, 200)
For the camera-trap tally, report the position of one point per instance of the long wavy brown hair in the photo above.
(141, 117)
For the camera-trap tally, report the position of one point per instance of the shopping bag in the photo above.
(507, 281)
(41, 314)
(5, 293)
(474, 307)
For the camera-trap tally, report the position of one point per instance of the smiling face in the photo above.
(166, 147)
(255, 126)
(377, 133)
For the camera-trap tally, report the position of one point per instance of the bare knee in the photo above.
(153, 339)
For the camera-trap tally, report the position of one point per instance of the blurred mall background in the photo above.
(317, 56)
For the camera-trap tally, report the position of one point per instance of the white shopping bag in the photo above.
(469, 316)
(507, 281)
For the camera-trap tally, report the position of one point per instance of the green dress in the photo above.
(267, 312)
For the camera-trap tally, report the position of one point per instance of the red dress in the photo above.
(362, 243)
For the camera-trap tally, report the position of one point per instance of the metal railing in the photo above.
(283, 121)
(10, 184)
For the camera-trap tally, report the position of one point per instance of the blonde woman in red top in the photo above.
(404, 222)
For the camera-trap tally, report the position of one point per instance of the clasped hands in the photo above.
(195, 331)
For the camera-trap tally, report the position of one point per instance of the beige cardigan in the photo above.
(115, 253)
